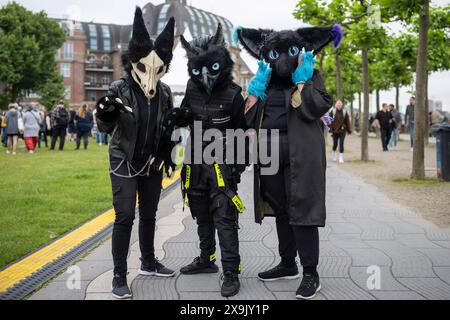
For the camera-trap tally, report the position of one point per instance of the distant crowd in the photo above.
(36, 126)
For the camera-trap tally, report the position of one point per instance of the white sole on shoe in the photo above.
(155, 274)
(128, 296)
(282, 278)
(299, 297)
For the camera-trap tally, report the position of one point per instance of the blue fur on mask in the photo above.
(337, 34)
(236, 35)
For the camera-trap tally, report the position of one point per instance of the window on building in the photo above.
(163, 17)
(91, 96)
(91, 79)
(106, 60)
(92, 58)
(68, 51)
(106, 80)
(66, 70)
(68, 93)
(106, 38)
(93, 37)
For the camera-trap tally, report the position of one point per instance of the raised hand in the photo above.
(112, 104)
(258, 85)
(305, 69)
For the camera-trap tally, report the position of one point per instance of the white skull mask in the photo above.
(147, 72)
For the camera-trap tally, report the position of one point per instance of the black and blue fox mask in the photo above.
(209, 61)
(147, 61)
(282, 49)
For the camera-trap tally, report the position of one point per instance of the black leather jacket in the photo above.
(124, 126)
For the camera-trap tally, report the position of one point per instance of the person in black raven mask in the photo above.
(133, 111)
(213, 100)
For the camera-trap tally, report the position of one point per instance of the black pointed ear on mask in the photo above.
(187, 46)
(164, 42)
(251, 39)
(317, 38)
(218, 38)
(140, 44)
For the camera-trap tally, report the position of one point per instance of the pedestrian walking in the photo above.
(32, 125)
(12, 128)
(383, 121)
(396, 125)
(3, 128)
(71, 130)
(100, 136)
(83, 126)
(43, 130)
(59, 122)
(409, 119)
(339, 128)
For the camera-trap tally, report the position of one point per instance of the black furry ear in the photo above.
(252, 39)
(141, 44)
(164, 42)
(317, 38)
(218, 39)
(187, 46)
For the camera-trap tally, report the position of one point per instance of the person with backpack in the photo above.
(59, 121)
(339, 128)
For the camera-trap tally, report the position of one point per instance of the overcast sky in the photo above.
(275, 14)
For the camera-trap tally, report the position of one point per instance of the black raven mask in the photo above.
(209, 61)
(282, 49)
(145, 60)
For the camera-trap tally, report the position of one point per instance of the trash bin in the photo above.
(442, 133)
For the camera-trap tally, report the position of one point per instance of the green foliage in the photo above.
(28, 43)
(51, 91)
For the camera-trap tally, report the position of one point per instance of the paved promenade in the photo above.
(366, 232)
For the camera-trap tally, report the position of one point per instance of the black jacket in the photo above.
(124, 126)
(307, 155)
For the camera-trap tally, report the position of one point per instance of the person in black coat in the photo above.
(84, 121)
(288, 98)
(133, 112)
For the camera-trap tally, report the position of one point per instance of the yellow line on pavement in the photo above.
(36, 261)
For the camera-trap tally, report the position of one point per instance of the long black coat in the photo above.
(307, 155)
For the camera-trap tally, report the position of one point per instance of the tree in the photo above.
(52, 91)
(28, 44)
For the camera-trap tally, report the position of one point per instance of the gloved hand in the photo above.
(305, 69)
(258, 85)
(180, 117)
(110, 107)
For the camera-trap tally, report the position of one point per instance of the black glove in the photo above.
(109, 108)
(180, 117)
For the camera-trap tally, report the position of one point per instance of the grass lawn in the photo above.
(48, 193)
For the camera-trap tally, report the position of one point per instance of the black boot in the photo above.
(231, 284)
(199, 266)
(309, 287)
(280, 272)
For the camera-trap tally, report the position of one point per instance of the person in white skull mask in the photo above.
(133, 111)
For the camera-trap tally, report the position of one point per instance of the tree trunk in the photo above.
(359, 111)
(418, 165)
(377, 94)
(365, 120)
(427, 111)
(339, 87)
(397, 97)
(352, 115)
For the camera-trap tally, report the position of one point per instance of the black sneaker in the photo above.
(309, 287)
(231, 284)
(120, 289)
(156, 269)
(280, 272)
(199, 266)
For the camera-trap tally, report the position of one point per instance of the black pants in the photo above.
(292, 239)
(386, 134)
(42, 135)
(58, 132)
(339, 139)
(213, 210)
(85, 136)
(124, 201)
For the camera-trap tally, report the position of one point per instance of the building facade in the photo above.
(90, 59)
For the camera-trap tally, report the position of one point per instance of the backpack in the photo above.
(61, 117)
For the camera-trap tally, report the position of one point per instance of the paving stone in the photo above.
(343, 289)
(283, 285)
(438, 234)
(253, 290)
(254, 231)
(57, 290)
(198, 283)
(181, 250)
(439, 257)
(152, 288)
(89, 270)
(443, 244)
(404, 227)
(413, 266)
(100, 297)
(334, 267)
(199, 296)
(430, 288)
(254, 265)
(360, 276)
(345, 228)
(443, 273)
(348, 241)
(254, 249)
(329, 249)
(286, 296)
(416, 241)
(324, 233)
(368, 257)
(397, 295)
